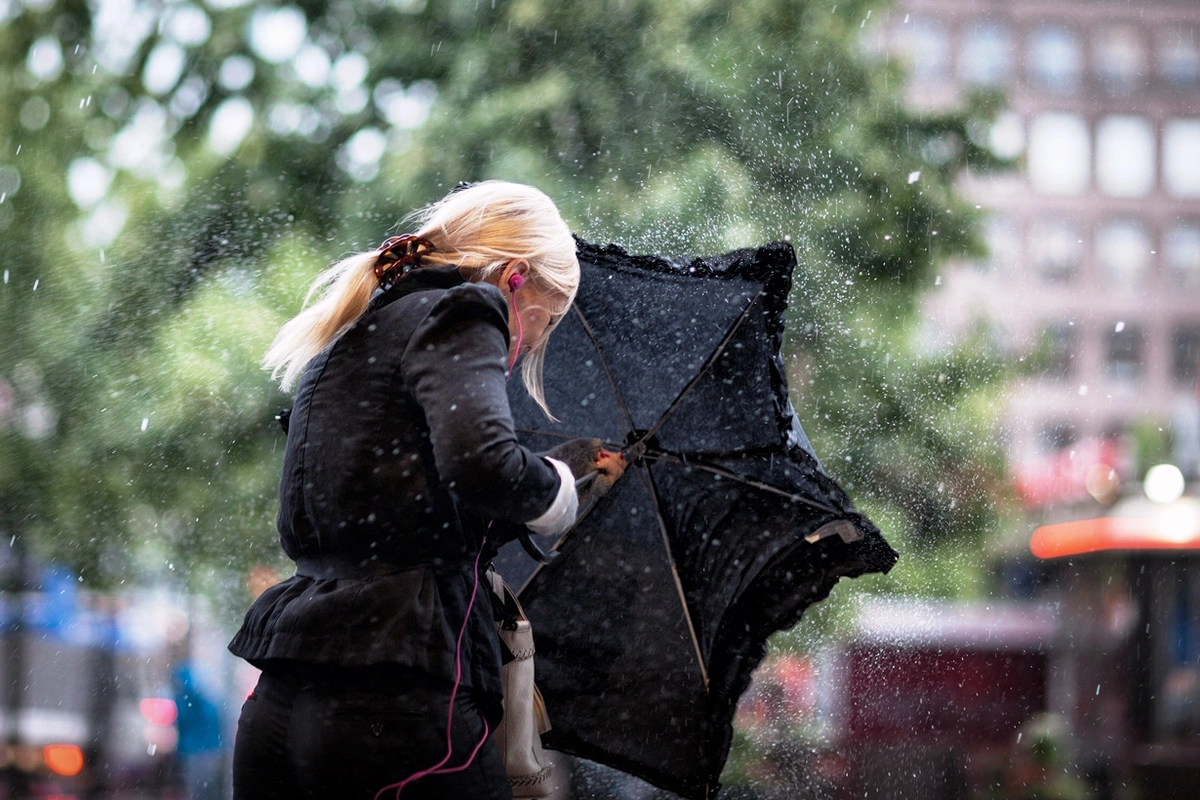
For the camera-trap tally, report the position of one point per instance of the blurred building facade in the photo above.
(1094, 269)
(1093, 282)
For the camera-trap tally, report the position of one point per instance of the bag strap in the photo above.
(506, 610)
(507, 606)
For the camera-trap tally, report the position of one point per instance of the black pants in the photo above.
(340, 735)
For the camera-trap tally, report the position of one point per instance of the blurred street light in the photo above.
(1163, 484)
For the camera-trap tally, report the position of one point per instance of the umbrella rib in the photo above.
(683, 604)
(604, 363)
(712, 359)
(584, 513)
(766, 487)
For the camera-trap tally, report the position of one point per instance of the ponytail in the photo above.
(345, 290)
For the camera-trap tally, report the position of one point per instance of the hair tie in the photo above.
(398, 255)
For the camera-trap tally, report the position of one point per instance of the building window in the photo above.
(1006, 139)
(1185, 354)
(986, 57)
(1123, 250)
(1123, 359)
(1119, 59)
(1181, 157)
(1060, 155)
(1056, 247)
(1181, 253)
(1056, 436)
(927, 47)
(1058, 346)
(1179, 57)
(1125, 156)
(1055, 58)
(1004, 244)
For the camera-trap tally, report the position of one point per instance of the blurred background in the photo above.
(994, 344)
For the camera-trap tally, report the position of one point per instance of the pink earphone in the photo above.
(515, 282)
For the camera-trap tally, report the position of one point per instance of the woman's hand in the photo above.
(610, 466)
(595, 469)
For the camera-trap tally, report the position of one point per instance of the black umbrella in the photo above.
(723, 530)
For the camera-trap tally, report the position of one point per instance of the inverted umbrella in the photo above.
(723, 530)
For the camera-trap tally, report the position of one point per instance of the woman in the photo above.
(380, 656)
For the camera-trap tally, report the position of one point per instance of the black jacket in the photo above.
(400, 449)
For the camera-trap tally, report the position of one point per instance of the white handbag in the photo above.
(518, 736)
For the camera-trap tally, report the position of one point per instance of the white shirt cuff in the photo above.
(561, 514)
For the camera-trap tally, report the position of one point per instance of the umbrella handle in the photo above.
(531, 548)
(534, 551)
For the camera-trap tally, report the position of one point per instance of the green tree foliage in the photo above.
(176, 174)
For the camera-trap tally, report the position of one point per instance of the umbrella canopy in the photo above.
(723, 530)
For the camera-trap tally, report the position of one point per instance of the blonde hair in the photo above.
(479, 229)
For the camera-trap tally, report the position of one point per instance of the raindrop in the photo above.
(1120, 327)
(914, 176)
(36, 282)
(145, 423)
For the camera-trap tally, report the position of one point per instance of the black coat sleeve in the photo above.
(454, 366)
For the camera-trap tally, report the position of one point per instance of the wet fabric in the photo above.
(649, 623)
(347, 735)
(400, 445)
